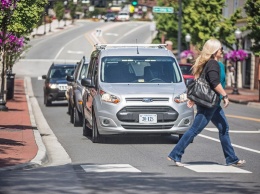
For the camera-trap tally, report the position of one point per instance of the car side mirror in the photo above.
(70, 78)
(87, 83)
(44, 77)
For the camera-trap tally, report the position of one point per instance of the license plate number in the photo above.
(148, 118)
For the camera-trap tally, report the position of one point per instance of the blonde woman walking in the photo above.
(212, 51)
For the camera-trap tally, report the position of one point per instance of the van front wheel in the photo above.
(95, 133)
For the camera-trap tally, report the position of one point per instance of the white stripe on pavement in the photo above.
(232, 131)
(234, 145)
(215, 168)
(47, 60)
(109, 168)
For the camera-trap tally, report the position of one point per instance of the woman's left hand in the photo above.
(190, 103)
(226, 102)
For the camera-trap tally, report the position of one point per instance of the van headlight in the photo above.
(53, 86)
(181, 98)
(106, 97)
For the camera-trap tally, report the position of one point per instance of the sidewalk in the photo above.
(17, 140)
(18, 145)
(51, 28)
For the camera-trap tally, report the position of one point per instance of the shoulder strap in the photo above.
(203, 71)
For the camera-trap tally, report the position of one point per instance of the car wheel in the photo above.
(77, 117)
(46, 101)
(95, 133)
(86, 130)
(69, 108)
(71, 114)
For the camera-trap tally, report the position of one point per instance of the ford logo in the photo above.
(147, 99)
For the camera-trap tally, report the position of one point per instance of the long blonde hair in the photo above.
(209, 49)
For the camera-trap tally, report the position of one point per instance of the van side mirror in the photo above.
(44, 76)
(70, 78)
(86, 82)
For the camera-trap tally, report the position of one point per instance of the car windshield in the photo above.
(61, 72)
(140, 70)
(186, 69)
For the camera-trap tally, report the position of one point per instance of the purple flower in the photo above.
(186, 54)
(6, 4)
(12, 43)
(237, 55)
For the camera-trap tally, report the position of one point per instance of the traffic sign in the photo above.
(157, 9)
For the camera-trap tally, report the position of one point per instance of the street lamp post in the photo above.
(187, 39)
(238, 34)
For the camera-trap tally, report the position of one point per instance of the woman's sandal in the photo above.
(179, 164)
(239, 163)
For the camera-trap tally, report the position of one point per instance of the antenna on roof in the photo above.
(137, 47)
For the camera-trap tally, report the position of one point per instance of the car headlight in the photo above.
(109, 97)
(181, 98)
(53, 86)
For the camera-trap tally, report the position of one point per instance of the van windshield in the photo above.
(140, 70)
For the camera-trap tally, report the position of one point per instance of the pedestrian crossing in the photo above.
(127, 168)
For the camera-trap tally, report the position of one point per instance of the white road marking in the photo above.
(74, 52)
(109, 168)
(234, 145)
(111, 34)
(65, 46)
(231, 131)
(40, 78)
(47, 60)
(215, 168)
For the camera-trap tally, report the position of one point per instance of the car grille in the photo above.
(131, 113)
(62, 86)
(147, 126)
(143, 99)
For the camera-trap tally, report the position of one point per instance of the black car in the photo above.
(75, 90)
(109, 17)
(55, 84)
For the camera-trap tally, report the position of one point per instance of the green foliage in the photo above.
(25, 16)
(201, 19)
(59, 9)
(252, 8)
(167, 24)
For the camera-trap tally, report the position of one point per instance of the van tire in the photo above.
(95, 133)
(86, 130)
(77, 118)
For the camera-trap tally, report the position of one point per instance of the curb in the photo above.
(41, 156)
(238, 101)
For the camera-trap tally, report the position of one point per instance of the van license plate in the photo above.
(147, 118)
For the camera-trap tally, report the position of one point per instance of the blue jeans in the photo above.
(204, 115)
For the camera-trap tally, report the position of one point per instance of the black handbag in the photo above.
(201, 93)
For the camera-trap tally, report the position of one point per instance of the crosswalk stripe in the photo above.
(215, 168)
(109, 168)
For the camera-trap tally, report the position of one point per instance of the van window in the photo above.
(139, 70)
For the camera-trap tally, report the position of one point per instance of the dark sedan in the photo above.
(55, 84)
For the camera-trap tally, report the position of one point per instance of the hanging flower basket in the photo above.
(187, 54)
(237, 55)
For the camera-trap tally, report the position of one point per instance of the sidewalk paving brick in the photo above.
(17, 141)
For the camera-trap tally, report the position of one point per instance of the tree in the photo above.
(17, 20)
(252, 8)
(59, 9)
(201, 19)
(166, 23)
